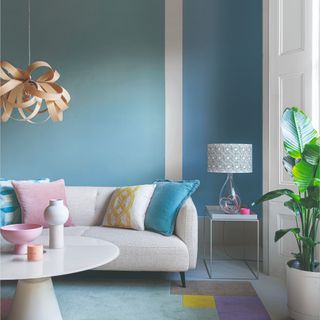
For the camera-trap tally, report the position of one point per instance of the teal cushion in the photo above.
(166, 202)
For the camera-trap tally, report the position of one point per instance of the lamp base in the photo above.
(229, 199)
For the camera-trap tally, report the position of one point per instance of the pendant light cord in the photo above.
(29, 32)
(0, 34)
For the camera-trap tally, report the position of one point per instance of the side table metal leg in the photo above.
(204, 238)
(211, 245)
(244, 236)
(258, 249)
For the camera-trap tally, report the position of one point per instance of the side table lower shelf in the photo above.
(236, 264)
(213, 214)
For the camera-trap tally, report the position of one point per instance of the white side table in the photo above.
(215, 214)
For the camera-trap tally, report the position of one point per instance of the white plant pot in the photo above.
(303, 294)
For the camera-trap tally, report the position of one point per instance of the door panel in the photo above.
(289, 84)
(291, 26)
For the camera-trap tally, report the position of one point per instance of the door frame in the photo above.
(265, 133)
(266, 119)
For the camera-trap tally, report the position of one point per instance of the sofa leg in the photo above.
(183, 279)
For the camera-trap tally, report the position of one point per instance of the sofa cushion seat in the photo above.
(142, 250)
(139, 250)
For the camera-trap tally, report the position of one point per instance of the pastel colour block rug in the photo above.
(98, 298)
(233, 300)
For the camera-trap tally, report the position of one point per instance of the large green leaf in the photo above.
(275, 194)
(316, 182)
(314, 193)
(312, 201)
(304, 175)
(316, 213)
(293, 206)
(309, 203)
(282, 232)
(307, 241)
(288, 163)
(311, 153)
(297, 131)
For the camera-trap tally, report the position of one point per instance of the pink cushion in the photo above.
(34, 198)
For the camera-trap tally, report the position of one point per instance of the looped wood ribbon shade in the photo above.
(18, 90)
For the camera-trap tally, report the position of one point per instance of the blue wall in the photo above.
(110, 54)
(222, 90)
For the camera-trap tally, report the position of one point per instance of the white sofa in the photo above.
(139, 250)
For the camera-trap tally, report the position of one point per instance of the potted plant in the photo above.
(302, 145)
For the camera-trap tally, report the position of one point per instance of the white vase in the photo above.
(303, 294)
(56, 215)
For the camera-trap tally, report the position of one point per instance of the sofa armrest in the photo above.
(187, 230)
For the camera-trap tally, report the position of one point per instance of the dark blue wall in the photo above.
(222, 90)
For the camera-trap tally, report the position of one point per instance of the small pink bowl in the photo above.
(245, 211)
(20, 235)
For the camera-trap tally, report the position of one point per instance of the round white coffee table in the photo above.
(35, 298)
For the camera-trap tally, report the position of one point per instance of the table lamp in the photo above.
(229, 158)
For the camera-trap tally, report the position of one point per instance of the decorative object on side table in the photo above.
(229, 158)
(245, 211)
(56, 214)
(302, 162)
(20, 235)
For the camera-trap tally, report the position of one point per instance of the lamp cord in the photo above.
(29, 32)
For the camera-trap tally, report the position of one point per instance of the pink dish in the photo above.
(245, 211)
(20, 235)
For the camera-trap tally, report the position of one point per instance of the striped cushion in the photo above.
(10, 211)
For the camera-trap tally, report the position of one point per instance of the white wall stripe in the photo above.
(173, 89)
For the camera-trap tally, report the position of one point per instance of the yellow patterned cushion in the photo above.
(127, 207)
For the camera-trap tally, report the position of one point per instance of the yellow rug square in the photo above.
(190, 301)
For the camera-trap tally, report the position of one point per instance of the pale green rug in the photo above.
(94, 296)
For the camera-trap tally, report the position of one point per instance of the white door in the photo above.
(291, 78)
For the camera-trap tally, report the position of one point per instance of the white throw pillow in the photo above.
(127, 207)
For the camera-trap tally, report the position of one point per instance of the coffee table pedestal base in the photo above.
(35, 300)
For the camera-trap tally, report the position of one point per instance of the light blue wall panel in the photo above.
(110, 54)
(222, 90)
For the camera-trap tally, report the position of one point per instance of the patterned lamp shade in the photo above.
(230, 158)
